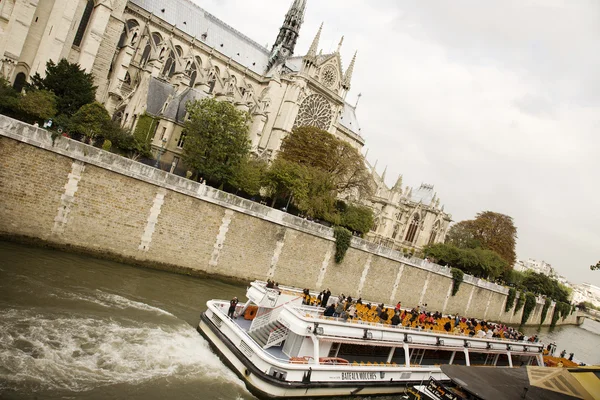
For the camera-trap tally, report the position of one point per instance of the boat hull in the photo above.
(265, 386)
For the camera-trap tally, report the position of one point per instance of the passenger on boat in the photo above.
(396, 319)
(232, 304)
(326, 295)
(329, 311)
(339, 308)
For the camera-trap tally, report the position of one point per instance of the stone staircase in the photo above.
(270, 335)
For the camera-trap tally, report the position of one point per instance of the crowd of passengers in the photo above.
(347, 308)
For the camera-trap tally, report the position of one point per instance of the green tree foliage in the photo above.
(530, 303)
(217, 139)
(250, 175)
(144, 129)
(9, 98)
(560, 310)
(39, 104)
(595, 267)
(284, 179)
(70, 83)
(357, 218)
(457, 278)
(316, 148)
(546, 286)
(477, 262)
(586, 305)
(91, 120)
(343, 238)
(547, 304)
(462, 236)
(489, 230)
(510, 299)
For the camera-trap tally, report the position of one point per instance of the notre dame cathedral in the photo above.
(153, 56)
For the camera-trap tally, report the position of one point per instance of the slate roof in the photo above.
(158, 94)
(348, 119)
(195, 21)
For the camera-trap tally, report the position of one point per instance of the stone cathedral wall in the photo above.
(71, 195)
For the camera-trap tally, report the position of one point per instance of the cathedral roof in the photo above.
(423, 194)
(348, 119)
(159, 92)
(196, 22)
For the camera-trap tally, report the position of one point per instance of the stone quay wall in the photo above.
(71, 195)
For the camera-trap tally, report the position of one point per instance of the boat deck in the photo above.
(275, 351)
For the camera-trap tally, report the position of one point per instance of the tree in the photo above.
(70, 83)
(316, 148)
(595, 267)
(9, 98)
(489, 230)
(250, 175)
(357, 218)
(462, 235)
(217, 139)
(91, 120)
(477, 262)
(39, 104)
(285, 179)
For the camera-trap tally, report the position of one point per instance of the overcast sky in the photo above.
(497, 104)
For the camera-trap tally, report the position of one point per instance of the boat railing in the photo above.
(311, 312)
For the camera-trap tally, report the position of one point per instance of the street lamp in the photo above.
(161, 151)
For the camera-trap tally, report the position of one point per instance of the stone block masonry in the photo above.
(70, 195)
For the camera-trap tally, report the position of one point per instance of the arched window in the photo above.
(434, 233)
(85, 19)
(181, 140)
(127, 79)
(129, 31)
(395, 233)
(412, 229)
(20, 81)
(212, 79)
(192, 73)
(179, 50)
(169, 68)
(156, 39)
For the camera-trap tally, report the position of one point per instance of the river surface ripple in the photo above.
(76, 327)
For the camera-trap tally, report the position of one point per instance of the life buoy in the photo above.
(250, 313)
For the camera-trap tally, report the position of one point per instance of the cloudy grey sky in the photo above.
(496, 103)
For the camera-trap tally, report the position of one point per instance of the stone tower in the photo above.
(288, 33)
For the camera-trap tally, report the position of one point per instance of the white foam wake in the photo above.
(81, 353)
(109, 300)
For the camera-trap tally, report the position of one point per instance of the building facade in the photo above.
(150, 57)
(406, 218)
(153, 56)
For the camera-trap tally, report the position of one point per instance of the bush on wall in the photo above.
(545, 310)
(528, 308)
(457, 278)
(510, 300)
(342, 242)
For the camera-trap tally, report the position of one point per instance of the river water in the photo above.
(72, 326)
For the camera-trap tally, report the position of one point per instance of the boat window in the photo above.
(436, 357)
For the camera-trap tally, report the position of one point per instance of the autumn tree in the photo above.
(216, 139)
(316, 148)
(70, 83)
(489, 230)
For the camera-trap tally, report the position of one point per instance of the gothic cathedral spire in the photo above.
(288, 33)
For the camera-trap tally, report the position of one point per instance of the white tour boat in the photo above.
(281, 348)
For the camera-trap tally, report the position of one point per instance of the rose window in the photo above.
(314, 111)
(329, 76)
